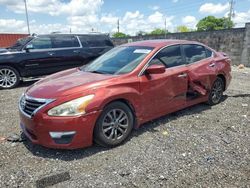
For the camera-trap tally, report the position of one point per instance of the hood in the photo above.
(3, 50)
(66, 83)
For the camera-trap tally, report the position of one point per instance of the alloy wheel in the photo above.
(8, 78)
(115, 124)
(217, 91)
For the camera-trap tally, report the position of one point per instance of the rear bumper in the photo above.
(59, 132)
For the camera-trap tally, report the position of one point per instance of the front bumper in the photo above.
(59, 132)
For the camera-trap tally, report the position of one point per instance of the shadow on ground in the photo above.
(26, 84)
(68, 155)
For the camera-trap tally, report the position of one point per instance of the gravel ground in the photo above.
(201, 146)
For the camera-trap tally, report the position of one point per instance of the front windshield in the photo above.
(20, 43)
(119, 60)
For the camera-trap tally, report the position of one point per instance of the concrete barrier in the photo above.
(235, 42)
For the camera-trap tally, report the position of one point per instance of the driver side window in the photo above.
(40, 43)
(169, 56)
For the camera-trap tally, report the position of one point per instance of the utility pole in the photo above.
(231, 11)
(27, 17)
(118, 26)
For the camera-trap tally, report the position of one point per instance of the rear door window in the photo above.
(65, 41)
(169, 56)
(194, 53)
(209, 53)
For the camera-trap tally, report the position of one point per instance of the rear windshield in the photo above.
(119, 60)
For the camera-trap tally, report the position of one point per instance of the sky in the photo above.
(83, 16)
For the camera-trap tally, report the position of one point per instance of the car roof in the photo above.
(160, 43)
(70, 34)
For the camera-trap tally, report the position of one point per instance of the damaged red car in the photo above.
(122, 89)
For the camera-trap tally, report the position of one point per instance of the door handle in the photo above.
(76, 51)
(211, 64)
(182, 75)
(51, 53)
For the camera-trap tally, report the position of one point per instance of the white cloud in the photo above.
(155, 7)
(19, 26)
(189, 21)
(82, 16)
(109, 19)
(80, 7)
(157, 17)
(211, 8)
(241, 18)
(133, 22)
(175, 1)
(49, 28)
(55, 7)
(13, 25)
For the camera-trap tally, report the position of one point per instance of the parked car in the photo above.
(122, 89)
(35, 56)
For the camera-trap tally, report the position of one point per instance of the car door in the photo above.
(166, 92)
(201, 65)
(38, 56)
(66, 49)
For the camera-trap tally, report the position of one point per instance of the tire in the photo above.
(216, 92)
(9, 77)
(113, 125)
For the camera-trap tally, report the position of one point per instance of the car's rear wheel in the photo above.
(216, 92)
(9, 77)
(114, 125)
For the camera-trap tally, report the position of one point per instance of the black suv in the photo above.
(35, 56)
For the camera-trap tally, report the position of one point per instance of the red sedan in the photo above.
(122, 89)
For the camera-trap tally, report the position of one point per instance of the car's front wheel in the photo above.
(216, 92)
(114, 125)
(9, 77)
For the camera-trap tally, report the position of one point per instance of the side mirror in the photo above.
(28, 47)
(156, 69)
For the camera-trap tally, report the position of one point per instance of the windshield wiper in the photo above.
(98, 72)
(94, 71)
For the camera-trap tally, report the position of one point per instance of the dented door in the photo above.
(165, 92)
(201, 68)
(161, 93)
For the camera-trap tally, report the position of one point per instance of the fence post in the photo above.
(245, 55)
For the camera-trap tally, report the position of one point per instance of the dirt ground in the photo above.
(201, 146)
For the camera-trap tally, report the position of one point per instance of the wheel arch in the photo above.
(224, 80)
(126, 102)
(12, 66)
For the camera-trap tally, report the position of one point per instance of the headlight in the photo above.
(72, 108)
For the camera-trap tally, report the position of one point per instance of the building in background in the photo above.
(7, 40)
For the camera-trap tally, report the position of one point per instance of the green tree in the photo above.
(119, 35)
(183, 28)
(158, 31)
(212, 23)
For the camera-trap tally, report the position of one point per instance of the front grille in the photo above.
(30, 106)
